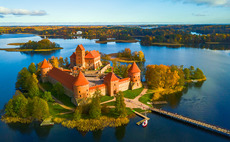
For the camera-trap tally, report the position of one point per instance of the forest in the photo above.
(176, 34)
(42, 44)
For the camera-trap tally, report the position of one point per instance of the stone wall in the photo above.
(104, 69)
(124, 84)
(101, 87)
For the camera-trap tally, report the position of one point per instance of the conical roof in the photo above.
(134, 68)
(81, 47)
(81, 80)
(45, 64)
(111, 77)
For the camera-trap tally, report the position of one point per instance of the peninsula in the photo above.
(89, 94)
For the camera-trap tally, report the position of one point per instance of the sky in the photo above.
(114, 11)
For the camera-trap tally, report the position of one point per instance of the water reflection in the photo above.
(32, 53)
(120, 132)
(97, 135)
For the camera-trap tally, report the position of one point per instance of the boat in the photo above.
(145, 123)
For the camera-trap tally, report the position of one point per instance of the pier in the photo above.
(197, 123)
(141, 115)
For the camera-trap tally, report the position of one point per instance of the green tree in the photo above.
(95, 106)
(58, 89)
(47, 96)
(22, 79)
(120, 106)
(187, 74)
(17, 106)
(32, 68)
(33, 87)
(198, 74)
(40, 108)
(61, 61)
(77, 113)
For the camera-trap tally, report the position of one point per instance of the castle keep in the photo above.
(78, 87)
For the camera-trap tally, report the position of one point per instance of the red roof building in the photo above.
(134, 68)
(81, 80)
(46, 64)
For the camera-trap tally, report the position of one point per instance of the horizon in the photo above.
(118, 12)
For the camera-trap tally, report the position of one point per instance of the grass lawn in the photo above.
(146, 98)
(111, 103)
(139, 110)
(55, 109)
(63, 98)
(131, 94)
(106, 98)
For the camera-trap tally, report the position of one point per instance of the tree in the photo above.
(17, 106)
(22, 79)
(66, 61)
(141, 56)
(47, 96)
(77, 113)
(187, 73)
(54, 61)
(32, 68)
(58, 89)
(61, 61)
(40, 108)
(33, 89)
(198, 74)
(120, 106)
(95, 106)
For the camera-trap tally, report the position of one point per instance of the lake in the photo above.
(207, 102)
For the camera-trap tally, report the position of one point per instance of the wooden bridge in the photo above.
(193, 122)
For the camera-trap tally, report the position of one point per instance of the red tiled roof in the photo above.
(124, 79)
(45, 64)
(81, 80)
(92, 54)
(97, 86)
(134, 68)
(64, 78)
(110, 77)
(81, 47)
(73, 55)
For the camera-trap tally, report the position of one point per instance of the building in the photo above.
(77, 87)
(92, 60)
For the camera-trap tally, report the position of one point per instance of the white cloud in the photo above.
(7, 11)
(224, 3)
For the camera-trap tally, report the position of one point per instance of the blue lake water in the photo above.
(207, 102)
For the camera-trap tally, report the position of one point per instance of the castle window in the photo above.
(79, 91)
(80, 96)
(114, 84)
(134, 76)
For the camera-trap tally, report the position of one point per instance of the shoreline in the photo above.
(24, 50)
(113, 57)
(118, 41)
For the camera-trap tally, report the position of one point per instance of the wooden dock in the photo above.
(141, 115)
(47, 122)
(200, 124)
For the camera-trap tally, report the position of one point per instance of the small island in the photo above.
(88, 94)
(42, 45)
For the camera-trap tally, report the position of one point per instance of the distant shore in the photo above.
(23, 50)
(121, 41)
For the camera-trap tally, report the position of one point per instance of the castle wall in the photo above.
(124, 84)
(136, 85)
(67, 91)
(94, 88)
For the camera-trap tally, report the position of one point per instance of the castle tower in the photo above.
(112, 83)
(80, 56)
(81, 87)
(134, 74)
(45, 68)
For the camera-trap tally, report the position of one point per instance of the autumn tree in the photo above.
(66, 61)
(198, 74)
(61, 61)
(54, 61)
(22, 79)
(141, 56)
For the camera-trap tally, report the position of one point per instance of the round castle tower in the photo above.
(45, 68)
(81, 87)
(135, 76)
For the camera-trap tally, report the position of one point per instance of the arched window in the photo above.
(79, 91)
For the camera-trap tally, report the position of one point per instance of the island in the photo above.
(88, 94)
(42, 45)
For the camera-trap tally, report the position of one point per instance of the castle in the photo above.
(79, 87)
